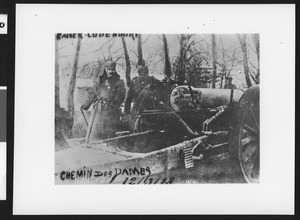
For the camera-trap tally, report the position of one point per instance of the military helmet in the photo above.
(111, 65)
(143, 69)
(229, 77)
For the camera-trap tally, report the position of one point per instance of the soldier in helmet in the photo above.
(228, 83)
(110, 93)
(136, 86)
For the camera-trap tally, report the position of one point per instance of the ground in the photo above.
(213, 170)
(216, 169)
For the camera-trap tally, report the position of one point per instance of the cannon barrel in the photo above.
(181, 97)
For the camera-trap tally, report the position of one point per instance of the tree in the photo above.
(181, 60)
(214, 60)
(227, 60)
(243, 42)
(189, 64)
(256, 76)
(140, 51)
(127, 61)
(61, 121)
(57, 91)
(73, 81)
(167, 67)
(223, 65)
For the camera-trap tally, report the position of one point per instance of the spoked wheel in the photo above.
(245, 146)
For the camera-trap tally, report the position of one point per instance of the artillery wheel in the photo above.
(244, 146)
(150, 98)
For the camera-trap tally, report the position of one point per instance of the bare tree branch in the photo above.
(253, 76)
(146, 39)
(116, 60)
(251, 48)
(134, 52)
(100, 48)
(116, 51)
(253, 65)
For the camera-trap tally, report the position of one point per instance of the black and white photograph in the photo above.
(156, 108)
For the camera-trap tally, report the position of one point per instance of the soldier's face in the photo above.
(110, 72)
(142, 74)
(228, 81)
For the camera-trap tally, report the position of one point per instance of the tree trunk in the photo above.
(243, 43)
(73, 81)
(257, 48)
(127, 60)
(60, 114)
(181, 62)
(223, 76)
(167, 69)
(214, 57)
(223, 67)
(57, 91)
(140, 51)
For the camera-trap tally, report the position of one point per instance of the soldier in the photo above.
(228, 83)
(110, 93)
(136, 86)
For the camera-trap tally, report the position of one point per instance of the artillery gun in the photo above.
(173, 126)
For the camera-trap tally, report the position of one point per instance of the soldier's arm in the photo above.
(91, 98)
(119, 97)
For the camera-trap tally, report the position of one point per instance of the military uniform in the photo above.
(230, 86)
(110, 93)
(135, 88)
(228, 83)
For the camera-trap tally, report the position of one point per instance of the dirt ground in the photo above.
(217, 169)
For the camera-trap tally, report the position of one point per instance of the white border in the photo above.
(3, 170)
(34, 189)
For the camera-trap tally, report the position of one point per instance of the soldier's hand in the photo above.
(104, 104)
(83, 107)
(126, 117)
(192, 105)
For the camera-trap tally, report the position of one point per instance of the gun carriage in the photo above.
(174, 126)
